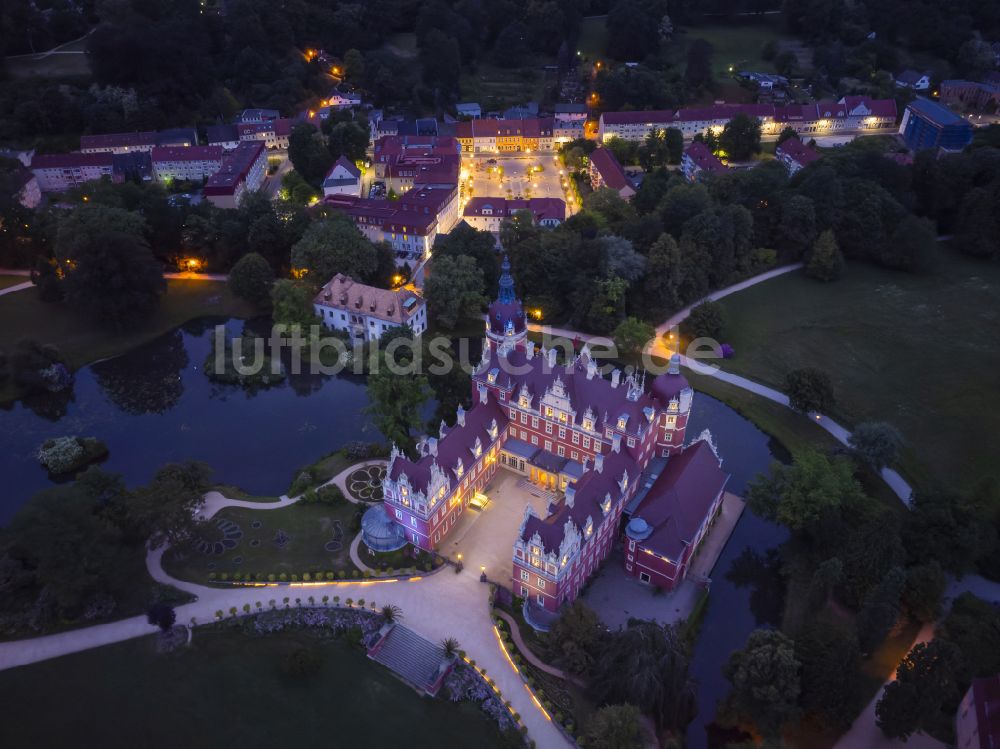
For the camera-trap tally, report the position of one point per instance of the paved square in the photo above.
(513, 176)
(486, 537)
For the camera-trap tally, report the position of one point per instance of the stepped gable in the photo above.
(454, 443)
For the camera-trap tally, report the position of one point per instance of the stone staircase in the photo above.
(537, 491)
(419, 663)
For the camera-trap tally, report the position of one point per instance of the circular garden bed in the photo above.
(365, 484)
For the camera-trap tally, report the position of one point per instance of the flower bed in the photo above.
(65, 455)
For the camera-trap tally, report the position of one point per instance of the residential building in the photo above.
(585, 439)
(671, 520)
(795, 154)
(698, 160)
(977, 722)
(366, 312)
(522, 111)
(29, 192)
(144, 141)
(851, 114)
(407, 161)
(227, 136)
(344, 178)
(927, 124)
(469, 109)
(605, 171)
(970, 95)
(410, 224)
(506, 136)
(60, 171)
(272, 133)
(914, 80)
(342, 100)
(243, 171)
(568, 112)
(193, 163)
(563, 131)
(487, 214)
(250, 116)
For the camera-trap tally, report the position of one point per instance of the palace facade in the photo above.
(586, 439)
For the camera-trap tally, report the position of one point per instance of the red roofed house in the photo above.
(366, 312)
(977, 723)
(191, 163)
(344, 178)
(60, 171)
(605, 171)
(242, 172)
(505, 136)
(699, 160)
(407, 161)
(584, 438)
(671, 520)
(487, 214)
(795, 154)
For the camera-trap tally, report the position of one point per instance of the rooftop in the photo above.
(235, 167)
(611, 171)
(343, 292)
(937, 113)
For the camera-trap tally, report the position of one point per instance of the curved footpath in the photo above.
(437, 606)
(895, 482)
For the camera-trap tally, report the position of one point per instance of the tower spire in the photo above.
(506, 295)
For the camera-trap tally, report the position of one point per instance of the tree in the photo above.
(800, 495)
(698, 70)
(632, 335)
(765, 679)
(454, 290)
(394, 404)
(924, 591)
(163, 511)
(926, 680)
(682, 203)
(251, 279)
(828, 651)
(740, 137)
(354, 66)
(296, 189)
(610, 206)
(881, 610)
(479, 245)
(291, 305)
(161, 615)
(809, 389)
(615, 727)
(604, 303)
(661, 285)
(706, 320)
(674, 140)
(911, 246)
(797, 228)
(646, 665)
(620, 258)
(826, 263)
(957, 530)
(973, 625)
(335, 246)
(441, 61)
(875, 443)
(787, 132)
(576, 637)
(308, 153)
(391, 613)
(348, 139)
(114, 277)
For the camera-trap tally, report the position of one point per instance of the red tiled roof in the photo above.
(417, 210)
(679, 500)
(235, 168)
(611, 171)
(118, 140)
(68, 160)
(703, 158)
(541, 208)
(797, 151)
(186, 153)
(493, 128)
(635, 118)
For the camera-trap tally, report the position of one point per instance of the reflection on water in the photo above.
(746, 590)
(154, 405)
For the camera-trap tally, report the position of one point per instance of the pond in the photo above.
(154, 405)
(746, 592)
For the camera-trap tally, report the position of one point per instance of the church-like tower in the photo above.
(506, 325)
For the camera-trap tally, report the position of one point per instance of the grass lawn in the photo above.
(291, 540)
(228, 689)
(593, 38)
(7, 281)
(737, 45)
(494, 87)
(81, 341)
(918, 351)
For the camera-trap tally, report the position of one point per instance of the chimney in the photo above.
(616, 443)
(432, 446)
(591, 369)
(460, 416)
(598, 461)
(552, 357)
(616, 376)
(529, 350)
(570, 496)
(484, 394)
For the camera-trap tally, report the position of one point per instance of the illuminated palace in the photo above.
(601, 447)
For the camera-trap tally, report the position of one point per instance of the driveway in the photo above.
(484, 538)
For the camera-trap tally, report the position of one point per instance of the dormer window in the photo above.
(588, 424)
(548, 411)
(492, 376)
(524, 401)
(621, 421)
